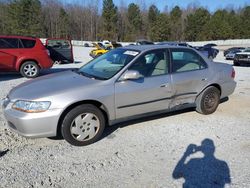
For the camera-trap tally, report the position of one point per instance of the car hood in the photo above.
(49, 85)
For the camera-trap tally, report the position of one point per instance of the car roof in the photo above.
(16, 36)
(151, 47)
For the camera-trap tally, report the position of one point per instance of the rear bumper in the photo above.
(227, 89)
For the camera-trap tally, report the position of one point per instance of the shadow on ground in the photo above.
(2, 153)
(205, 172)
(110, 129)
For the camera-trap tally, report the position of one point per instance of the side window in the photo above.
(62, 44)
(153, 63)
(9, 43)
(28, 43)
(186, 60)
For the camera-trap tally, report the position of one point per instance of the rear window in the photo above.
(63, 44)
(9, 43)
(28, 43)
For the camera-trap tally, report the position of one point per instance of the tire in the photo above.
(29, 69)
(57, 62)
(83, 125)
(210, 58)
(236, 63)
(208, 101)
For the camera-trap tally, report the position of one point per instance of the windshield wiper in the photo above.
(91, 76)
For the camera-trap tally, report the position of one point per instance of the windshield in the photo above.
(247, 50)
(109, 64)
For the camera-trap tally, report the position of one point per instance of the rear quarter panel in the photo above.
(221, 75)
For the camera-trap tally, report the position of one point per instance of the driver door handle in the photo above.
(164, 85)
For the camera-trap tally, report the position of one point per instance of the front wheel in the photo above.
(208, 101)
(29, 69)
(83, 125)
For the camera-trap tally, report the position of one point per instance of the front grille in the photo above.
(241, 56)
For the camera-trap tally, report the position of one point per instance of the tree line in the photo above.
(85, 21)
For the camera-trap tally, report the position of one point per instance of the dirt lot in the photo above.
(142, 153)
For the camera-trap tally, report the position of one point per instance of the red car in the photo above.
(26, 55)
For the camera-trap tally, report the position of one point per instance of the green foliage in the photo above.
(134, 22)
(24, 17)
(3, 18)
(245, 22)
(195, 23)
(176, 24)
(63, 24)
(153, 13)
(218, 27)
(161, 28)
(110, 18)
(129, 23)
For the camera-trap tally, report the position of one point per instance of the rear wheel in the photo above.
(29, 69)
(208, 101)
(83, 125)
(236, 63)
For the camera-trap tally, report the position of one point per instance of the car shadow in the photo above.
(206, 171)
(110, 129)
(2, 153)
(9, 76)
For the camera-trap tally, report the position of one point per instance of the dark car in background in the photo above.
(232, 49)
(232, 53)
(61, 50)
(242, 58)
(143, 42)
(26, 55)
(208, 51)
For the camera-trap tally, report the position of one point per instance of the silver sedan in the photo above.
(125, 83)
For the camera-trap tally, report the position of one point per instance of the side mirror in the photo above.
(131, 75)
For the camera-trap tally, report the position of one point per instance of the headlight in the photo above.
(31, 106)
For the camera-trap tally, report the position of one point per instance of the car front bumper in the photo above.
(33, 125)
(242, 61)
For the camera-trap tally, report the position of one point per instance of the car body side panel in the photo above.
(142, 96)
(187, 85)
(7, 61)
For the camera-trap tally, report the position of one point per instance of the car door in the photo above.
(60, 50)
(8, 53)
(189, 74)
(150, 93)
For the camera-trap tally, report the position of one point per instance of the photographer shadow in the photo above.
(205, 172)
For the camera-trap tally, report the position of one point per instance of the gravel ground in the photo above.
(141, 153)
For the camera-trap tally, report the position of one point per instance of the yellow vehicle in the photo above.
(100, 49)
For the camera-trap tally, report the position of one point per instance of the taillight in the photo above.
(233, 73)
